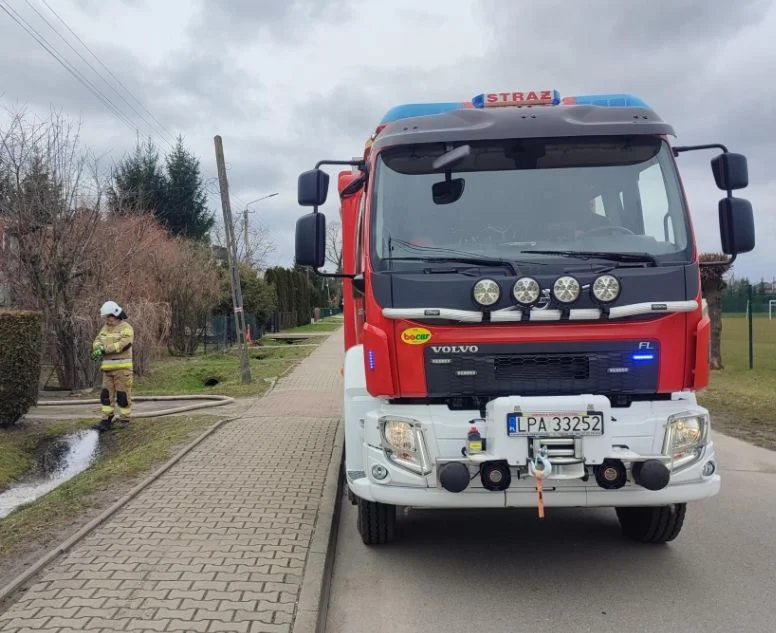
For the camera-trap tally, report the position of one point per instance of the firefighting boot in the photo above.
(122, 422)
(104, 425)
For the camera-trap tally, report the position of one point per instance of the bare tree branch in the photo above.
(260, 243)
(334, 246)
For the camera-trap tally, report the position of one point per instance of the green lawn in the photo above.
(187, 375)
(743, 401)
(324, 325)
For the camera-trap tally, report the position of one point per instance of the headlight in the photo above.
(566, 289)
(486, 292)
(526, 291)
(403, 444)
(686, 434)
(605, 288)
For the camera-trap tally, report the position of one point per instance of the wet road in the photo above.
(457, 572)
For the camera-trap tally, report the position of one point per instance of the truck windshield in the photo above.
(603, 195)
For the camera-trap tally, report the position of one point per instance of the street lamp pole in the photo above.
(245, 220)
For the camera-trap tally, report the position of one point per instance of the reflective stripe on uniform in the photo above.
(118, 363)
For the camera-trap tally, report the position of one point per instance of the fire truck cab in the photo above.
(524, 325)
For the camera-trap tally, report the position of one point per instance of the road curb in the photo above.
(7, 591)
(313, 603)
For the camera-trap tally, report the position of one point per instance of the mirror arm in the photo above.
(691, 148)
(320, 273)
(353, 163)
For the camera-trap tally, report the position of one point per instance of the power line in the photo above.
(96, 72)
(65, 64)
(116, 79)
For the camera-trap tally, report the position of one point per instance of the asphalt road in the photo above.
(494, 571)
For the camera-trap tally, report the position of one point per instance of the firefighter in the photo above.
(113, 347)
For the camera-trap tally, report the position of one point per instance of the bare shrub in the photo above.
(190, 283)
(68, 257)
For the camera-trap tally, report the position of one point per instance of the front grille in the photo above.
(498, 370)
(542, 367)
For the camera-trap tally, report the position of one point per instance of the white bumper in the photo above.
(630, 435)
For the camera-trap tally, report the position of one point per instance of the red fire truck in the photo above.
(524, 325)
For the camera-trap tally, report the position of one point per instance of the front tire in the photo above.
(658, 524)
(376, 522)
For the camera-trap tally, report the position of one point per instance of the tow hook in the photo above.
(540, 474)
(546, 466)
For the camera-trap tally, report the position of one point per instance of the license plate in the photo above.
(548, 424)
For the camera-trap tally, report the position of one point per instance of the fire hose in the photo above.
(209, 402)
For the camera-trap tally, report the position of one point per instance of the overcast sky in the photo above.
(286, 83)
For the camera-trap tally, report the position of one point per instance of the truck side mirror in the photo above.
(312, 188)
(736, 225)
(311, 240)
(730, 171)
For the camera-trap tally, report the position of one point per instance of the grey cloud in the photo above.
(45, 81)
(621, 27)
(200, 89)
(97, 7)
(279, 20)
(667, 52)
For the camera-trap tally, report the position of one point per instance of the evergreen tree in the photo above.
(185, 210)
(139, 184)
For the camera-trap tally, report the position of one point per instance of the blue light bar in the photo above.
(538, 97)
(606, 101)
(408, 110)
(372, 363)
(643, 357)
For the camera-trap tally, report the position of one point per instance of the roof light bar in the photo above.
(515, 99)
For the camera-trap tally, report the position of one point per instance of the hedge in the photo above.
(296, 293)
(21, 343)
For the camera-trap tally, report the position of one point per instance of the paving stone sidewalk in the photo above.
(219, 541)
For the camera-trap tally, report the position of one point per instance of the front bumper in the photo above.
(631, 436)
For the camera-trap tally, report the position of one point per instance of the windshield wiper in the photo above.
(644, 258)
(475, 261)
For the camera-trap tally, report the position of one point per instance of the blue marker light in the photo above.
(606, 101)
(372, 363)
(643, 357)
(409, 110)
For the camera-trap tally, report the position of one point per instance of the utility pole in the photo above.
(245, 221)
(245, 232)
(231, 248)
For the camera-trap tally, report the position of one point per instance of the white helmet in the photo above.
(110, 307)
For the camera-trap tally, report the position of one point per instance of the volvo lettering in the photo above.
(455, 349)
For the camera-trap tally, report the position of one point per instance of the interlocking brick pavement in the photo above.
(219, 541)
